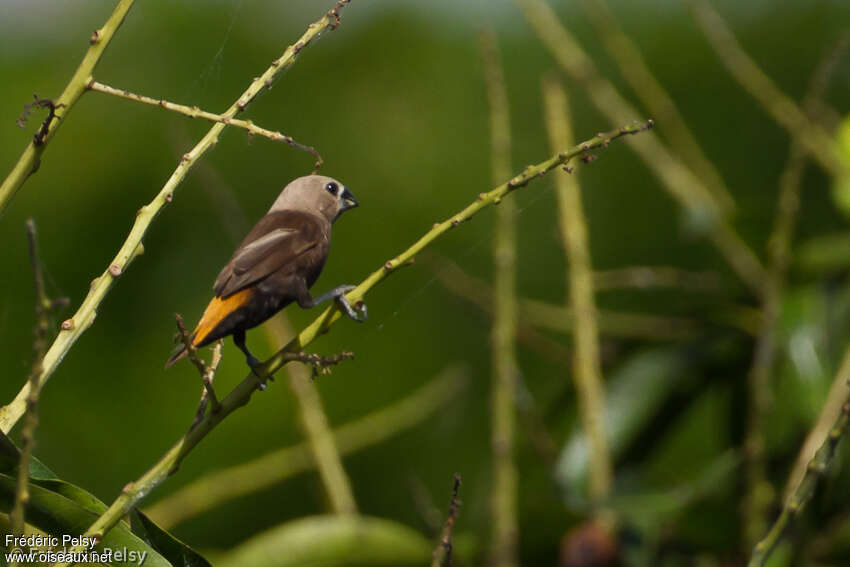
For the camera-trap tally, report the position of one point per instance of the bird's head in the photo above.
(316, 194)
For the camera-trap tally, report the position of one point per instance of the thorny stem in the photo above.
(74, 327)
(195, 112)
(169, 463)
(29, 161)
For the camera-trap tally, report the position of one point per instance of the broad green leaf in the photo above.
(77, 507)
(58, 515)
(177, 552)
(650, 510)
(634, 392)
(331, 541)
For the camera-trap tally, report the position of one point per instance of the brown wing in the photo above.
(276, 241)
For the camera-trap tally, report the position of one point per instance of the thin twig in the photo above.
(759, 491)
(504, 527)
(241, 394)
(656, 99)
(195, 112)
(74, 327)
(685, 187)
(29, 161)
(43, 308)
(192, 354)
(586, 362)
(207, 392)
(442, 556)
(804, 491)
(543, 315)
(650, 277)
(218, 487)
(814, 140)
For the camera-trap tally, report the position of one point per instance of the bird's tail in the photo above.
(179, 351)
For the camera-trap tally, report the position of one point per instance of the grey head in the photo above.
(316, 194)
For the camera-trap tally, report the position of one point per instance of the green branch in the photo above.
(656, 99)
(587, 372)
(804, 491)
(195, 112)
(816, 142)
(760, 492)
(29, 161)
(679, 181)
(43, 308)
(504, 530)
(169, 463)
(74, 327)
(217, 487)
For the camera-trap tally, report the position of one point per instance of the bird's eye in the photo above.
(332, 188)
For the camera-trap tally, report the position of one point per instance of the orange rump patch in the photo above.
(217, 310)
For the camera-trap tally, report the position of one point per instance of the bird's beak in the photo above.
(348, 200)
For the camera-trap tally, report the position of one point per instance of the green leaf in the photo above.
(66, 509)
(331, 541)
(634, 393)
(60, 516)
(10, 455)
(651, 510)
(177, 552)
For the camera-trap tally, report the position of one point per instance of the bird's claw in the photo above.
(360, 314)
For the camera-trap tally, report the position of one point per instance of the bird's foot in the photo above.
(357, 313)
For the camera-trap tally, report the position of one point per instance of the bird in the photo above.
(276, 264)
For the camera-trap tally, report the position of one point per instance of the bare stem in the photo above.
(218, 487)
(656, 99)
(804, 490)
(195, 112)
(560, 318)
(650, 277)
(760, 493)
(814, 141)
(207, 391)
(442, 556)
(587, 373)
(29, 161)
(685, 187)
(74, 327)
(43, 307)
(504, 532)
(315, 426)
(192, 354)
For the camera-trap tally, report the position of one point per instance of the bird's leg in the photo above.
(337, 293)
(239, 341)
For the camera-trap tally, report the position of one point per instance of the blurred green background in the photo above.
(395, 102)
